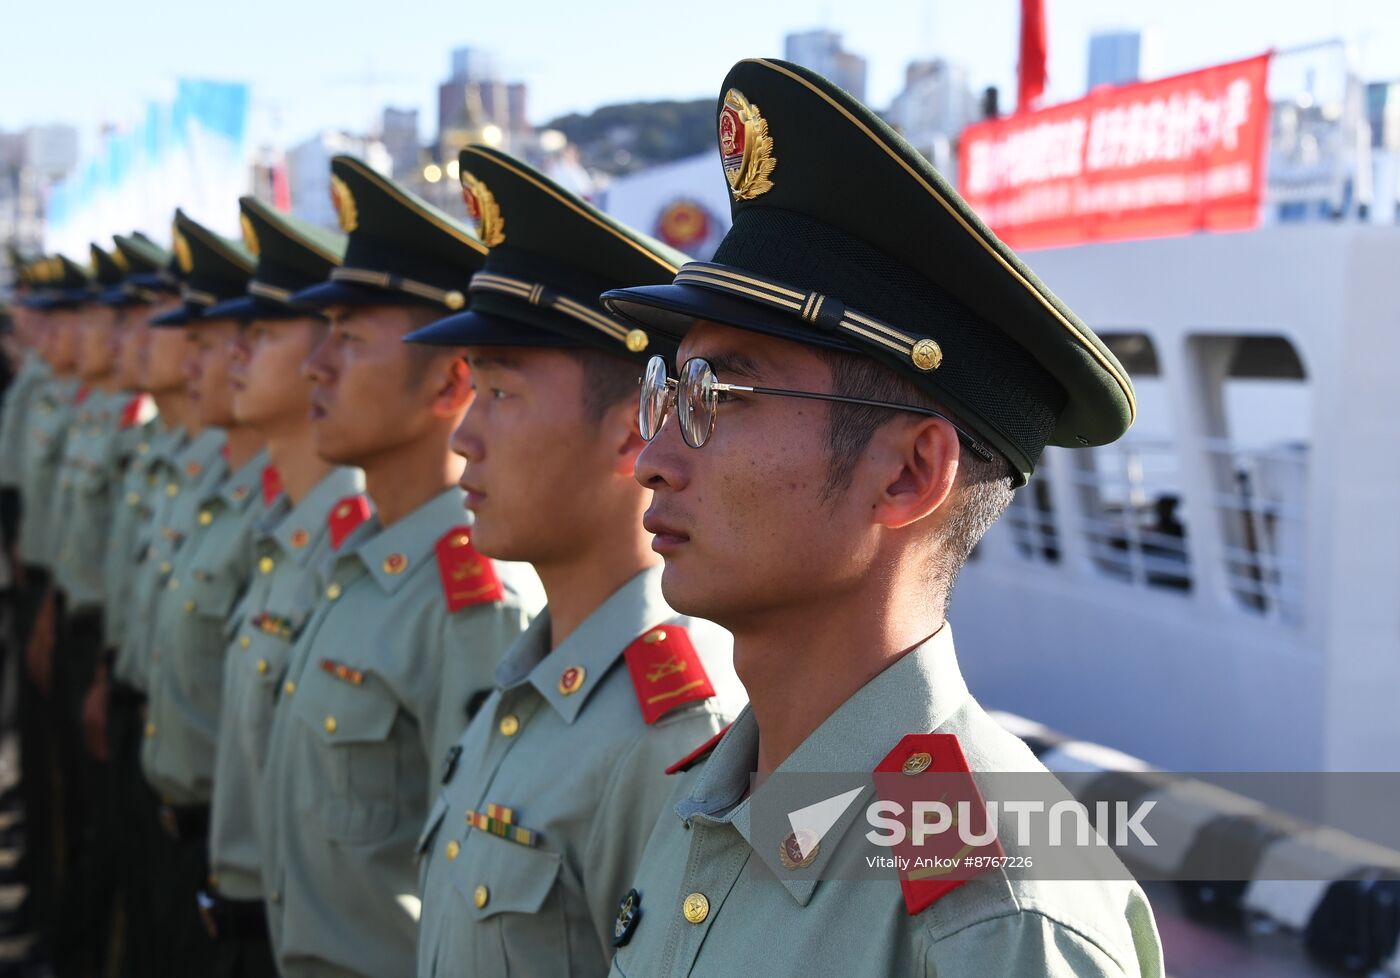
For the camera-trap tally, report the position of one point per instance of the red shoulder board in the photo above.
(271, 484)
(132, 412)
(699, 753)
(468, 578)
(931, 767)
(666, 671)
(81, 395)
(347, 514)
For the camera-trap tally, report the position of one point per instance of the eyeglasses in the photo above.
(696, 396)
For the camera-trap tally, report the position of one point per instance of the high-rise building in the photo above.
(31, 161)
(1383, 113)
(1115, 58)
(475, 98)
(399, 131)
(936, 103)
(822, 51)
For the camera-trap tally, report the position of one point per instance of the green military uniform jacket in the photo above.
(87, 482)
(582, 771)
(290, 552)
(751, 922)
(192, 615)
(14, 416)
(42, 454)
(152, 449)
(375, 694)
(181, 485)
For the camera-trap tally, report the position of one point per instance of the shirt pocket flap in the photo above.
(214, 595)
(517, 878)
(343, 712)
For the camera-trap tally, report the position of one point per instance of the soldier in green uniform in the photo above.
(826, 536)
(30, 373)
(211, 564)
(413, 620)
(81, 519)
(67, 288)
(523, 857)
(320, 505)
(155, 359)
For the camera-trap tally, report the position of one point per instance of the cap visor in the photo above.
(481, 329)
(325, 295)
(182, 316)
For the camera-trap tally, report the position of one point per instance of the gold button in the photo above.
(165, 567)
(330, 724)
(189, 607)
(481, 896)
(333, 590)
(205, 517)
(926, 354)
(133, 499)
(696, 908)
(636, 340)
(453, 848)
(265, 565)
(150, 730)
(263, 667)
(171, 489)
(244, 641)
(173, 584)
(454, 300)
(917, 763)
(510, 725)
(289, 687)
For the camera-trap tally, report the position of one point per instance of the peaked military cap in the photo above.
(212, 267)
(108, 267)
(148, 270)
(292, 255)
(844, 237)
(552, 254)
(402, 250)
(61, 283)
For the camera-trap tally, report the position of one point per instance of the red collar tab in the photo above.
(666, 671)
(468, 578)
(345, 516)
(271, 484)
(928, 768)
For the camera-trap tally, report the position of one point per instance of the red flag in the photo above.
(1031, 68)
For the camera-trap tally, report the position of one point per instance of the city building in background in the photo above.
(937, 102)
(476, 105)
(823, 52)
(398, 131)
(1115, 58)
(31, 160)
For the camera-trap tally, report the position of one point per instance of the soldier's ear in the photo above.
(454, 390)
(620, 428)
(912, 465)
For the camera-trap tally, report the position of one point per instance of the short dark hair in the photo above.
(608, 381)
(982, 491)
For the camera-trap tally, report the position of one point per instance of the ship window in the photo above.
(1257, 419)
(1130, 491)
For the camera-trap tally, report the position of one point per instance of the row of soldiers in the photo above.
(369, 615)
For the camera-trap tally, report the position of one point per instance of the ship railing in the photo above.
(1263, 518)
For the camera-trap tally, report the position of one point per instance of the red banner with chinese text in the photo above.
(1179, 154)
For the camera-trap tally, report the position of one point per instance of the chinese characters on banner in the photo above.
(1171, 156)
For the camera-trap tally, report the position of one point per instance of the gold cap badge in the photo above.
(745, 148)
(182, 253)
(636, 340)
(250, 237)
(483, 210)
(344, 202)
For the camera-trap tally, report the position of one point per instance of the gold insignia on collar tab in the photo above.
(250, 237)
(483, 210)
(182, 253)
(797, 851)
(745, 148)
(395, 564)
(344, 202)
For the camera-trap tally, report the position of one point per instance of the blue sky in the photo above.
(317, 65)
